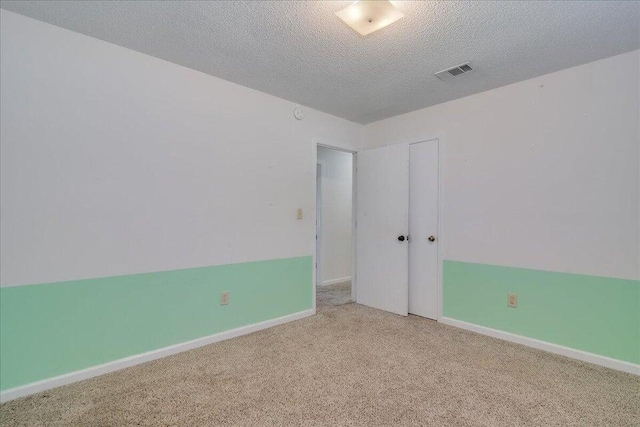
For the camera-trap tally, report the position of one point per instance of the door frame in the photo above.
(319, 230)
(315, 143)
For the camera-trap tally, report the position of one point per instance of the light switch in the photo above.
(299, 213)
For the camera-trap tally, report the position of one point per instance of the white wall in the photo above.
(541, 174)
(336, 188)
(114, 162)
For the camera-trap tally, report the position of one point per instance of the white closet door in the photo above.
(423, 229)
(382, 228)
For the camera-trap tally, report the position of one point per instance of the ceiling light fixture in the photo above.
(367, 16)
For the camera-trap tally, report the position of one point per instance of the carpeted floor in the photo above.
(336, 294)
(347, 366)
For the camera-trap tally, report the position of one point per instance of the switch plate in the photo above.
(224, 298)
(512, 300)
(299, 216)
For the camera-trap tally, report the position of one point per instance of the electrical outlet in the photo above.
(224, 298)
(512, 300)
(299, 216)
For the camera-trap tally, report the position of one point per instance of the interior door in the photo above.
(423, 228)
(382, 226)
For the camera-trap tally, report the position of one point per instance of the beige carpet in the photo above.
(347, 366)
(336, 294)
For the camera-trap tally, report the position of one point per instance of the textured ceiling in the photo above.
(302, 52)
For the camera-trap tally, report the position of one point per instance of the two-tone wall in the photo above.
(133, 192)
(540, 197)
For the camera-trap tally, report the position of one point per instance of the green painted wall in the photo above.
(595, 314)
(56, 328)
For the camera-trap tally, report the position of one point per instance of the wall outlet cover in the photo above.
(512, 300)
(224, 298)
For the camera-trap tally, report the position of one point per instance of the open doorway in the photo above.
(334, 234)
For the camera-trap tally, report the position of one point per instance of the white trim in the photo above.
(314, 260)
(440, 228)
(334, 281)
(354, 224)
(596, 359)
(318, 221)
(137, 359)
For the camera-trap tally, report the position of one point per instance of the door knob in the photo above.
(401, 238)
(432, 238)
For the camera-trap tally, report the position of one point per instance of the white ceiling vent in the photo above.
(452, 72)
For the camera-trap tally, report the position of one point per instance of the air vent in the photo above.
(452, 72)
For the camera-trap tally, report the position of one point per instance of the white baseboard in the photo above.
(334, 281)
(137, 359)
(596, 359)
